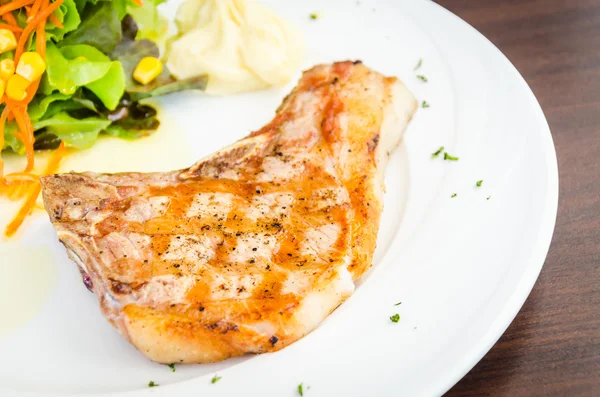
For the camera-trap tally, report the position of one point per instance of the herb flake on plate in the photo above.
(450, 157)
(437, 153)
(301, 389)
(395, 318)
(419, 64)
(215, 379)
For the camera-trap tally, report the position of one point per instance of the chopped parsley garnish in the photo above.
(395, 318)
(449, 157)
(314, 15)
(437, 153)
(215, 379)
(422, 78)
(419, 64)
(478, 184)
(397, 304)
(489, 197)
(453, 195)
(172, 366)
(152, 384)
(425, 104)
(301, 389)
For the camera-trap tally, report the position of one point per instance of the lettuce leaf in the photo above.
(57, 71)
(69, 16)
(168, 86)
(83, 50)
(151, 24)
(39, 105)
(129, 53)
(100, 27)
(78, 133)
(82, 65)
(111, 87)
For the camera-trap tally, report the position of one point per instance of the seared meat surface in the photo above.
(252, 247)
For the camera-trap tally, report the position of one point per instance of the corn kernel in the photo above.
(2, 87)
(31, 66)
(16, 87)
(7, 68)
(147, 70)
(8, 41)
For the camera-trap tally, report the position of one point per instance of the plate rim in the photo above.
(537, 259)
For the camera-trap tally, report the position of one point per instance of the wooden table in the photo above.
(553, 346)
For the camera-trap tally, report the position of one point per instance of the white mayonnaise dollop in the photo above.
(239, 44)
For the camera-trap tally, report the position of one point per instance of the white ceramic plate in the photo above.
(462, 267)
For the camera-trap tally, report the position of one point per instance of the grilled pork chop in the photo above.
(252, 247)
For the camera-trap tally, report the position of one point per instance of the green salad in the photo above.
(88, 88)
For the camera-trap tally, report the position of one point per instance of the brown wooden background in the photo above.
(553, 346)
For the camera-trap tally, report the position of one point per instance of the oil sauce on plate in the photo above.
(27, 278)
(165, 150)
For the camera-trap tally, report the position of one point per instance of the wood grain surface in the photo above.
(553, 346)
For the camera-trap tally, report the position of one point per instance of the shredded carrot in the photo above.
(36, 7)
(15, 191)
(40, 37)
(23, 177)
(26, 184)
(138, 2)
(42, 15)
(9, 18)
(31, 91)
(3, 117)
(25, 133)
(19, 110)
(54, 19)
(12, 28)
(14, 5)
(29, 204)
